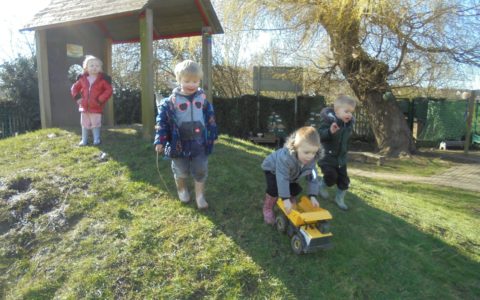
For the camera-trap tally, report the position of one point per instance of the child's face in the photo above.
(344, 112)
(189, 84)
(94, 67)
(306, 152)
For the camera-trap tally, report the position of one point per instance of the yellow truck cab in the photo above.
(306, 225)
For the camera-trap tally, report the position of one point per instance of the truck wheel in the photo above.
(298, 244)
(290, 230)
(281, 222)
(324, 227)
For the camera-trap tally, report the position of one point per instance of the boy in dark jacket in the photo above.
(335, 129)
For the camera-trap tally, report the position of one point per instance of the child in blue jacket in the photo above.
(186, 131)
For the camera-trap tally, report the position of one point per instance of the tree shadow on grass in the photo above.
(376, 254)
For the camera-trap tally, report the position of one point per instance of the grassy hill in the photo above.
(78, 224)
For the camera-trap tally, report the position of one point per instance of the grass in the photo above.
(415, 165)
(118, 233)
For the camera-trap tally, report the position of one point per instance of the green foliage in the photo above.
(127, 104)
(128, 237)
(19, 83)
(446, 120)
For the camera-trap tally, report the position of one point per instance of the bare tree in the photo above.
(374, 44)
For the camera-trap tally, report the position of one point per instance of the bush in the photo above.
(237, 116)
(19, 84)
(127, 105)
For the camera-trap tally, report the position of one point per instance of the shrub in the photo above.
(19, 84)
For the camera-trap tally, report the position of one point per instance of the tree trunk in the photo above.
(391, 131)
(368, 79)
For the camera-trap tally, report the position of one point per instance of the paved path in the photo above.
(464, 176)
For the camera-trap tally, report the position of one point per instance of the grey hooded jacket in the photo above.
(287, 169)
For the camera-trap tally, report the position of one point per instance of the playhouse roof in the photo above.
(118, 19)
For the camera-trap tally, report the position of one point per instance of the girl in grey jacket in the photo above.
(284, 168)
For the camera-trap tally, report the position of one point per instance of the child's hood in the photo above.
(100, 75)
(176, 91)
(328, 116)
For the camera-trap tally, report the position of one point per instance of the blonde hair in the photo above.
(188, 68)
(89, 58)
(344, 100)
(306, 134)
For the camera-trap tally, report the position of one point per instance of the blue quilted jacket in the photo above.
(167, 132)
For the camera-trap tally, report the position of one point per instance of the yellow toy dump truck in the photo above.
(306, 225)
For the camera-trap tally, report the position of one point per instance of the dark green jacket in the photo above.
(335, 145)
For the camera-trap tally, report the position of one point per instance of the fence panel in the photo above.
(362, 129)
(12, 122)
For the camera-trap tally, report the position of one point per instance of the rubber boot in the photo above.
(84, 140)
(96, 136)
(293, 200)
(339, 199)
(182, 190)
(322, 189)
(268, 204)
(200, 195)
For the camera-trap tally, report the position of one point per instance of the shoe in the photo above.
(182, 190)
(184, 196)
(339, 199)
(293, 200)
(84, 140)
(322, 190)
(268, 204)
(96, 136)
(200, 195)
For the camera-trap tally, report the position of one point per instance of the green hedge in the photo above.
(127, 105)
(237, 116)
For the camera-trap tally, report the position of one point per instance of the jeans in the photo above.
(196, 166)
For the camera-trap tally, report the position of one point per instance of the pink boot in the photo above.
(268, 205)
(293, 200)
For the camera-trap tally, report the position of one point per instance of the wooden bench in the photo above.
(367, 157)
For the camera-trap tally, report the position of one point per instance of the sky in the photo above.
(15, 14)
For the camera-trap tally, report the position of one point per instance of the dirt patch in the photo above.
(20, 185)
(38, 203)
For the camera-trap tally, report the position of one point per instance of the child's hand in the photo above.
(159, 148)
(79, 101)
(288, 206)
(314, 202)
(334, 128)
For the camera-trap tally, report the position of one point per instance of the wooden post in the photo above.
(43, 78)
(107, 66)
(471, 107)
(411, 114)
(207, 62)
(295, 117)
(259, 82)
(146, 52)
